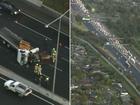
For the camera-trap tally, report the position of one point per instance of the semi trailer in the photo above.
(25, 52)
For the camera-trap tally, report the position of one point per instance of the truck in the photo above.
(18, 87)
(25, 51)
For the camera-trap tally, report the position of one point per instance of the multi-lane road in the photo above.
(34, 32)
(120, 58)
(44, 14)
(9, 97)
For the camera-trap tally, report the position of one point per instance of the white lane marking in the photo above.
(42, 99)
(60, 32)
(64, 59)
(42, 23)
(33, 94)
(57, 68)
(3, 79)
(66, 47)
(57, 30)
(32, 30)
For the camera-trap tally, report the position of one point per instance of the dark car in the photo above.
(8, 7)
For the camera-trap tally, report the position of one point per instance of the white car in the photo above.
(18, 87)
(85, 19)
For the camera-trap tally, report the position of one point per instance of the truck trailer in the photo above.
(23, 48)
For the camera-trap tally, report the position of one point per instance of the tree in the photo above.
(78, 19)
(84, 99)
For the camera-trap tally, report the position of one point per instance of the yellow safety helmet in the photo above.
(53, 49)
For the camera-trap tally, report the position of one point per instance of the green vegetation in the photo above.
(103, 83)
(98, 64)
(90, 37)
(59, 5)
(77, 22)
(121, 17)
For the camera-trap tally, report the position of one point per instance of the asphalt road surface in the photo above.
(43, 14)
(46, 39)
(121, 60)
(10, 98)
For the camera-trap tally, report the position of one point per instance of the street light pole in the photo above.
(47, 25)
(57, 49)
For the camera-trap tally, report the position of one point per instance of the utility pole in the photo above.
(47, 25)
(57, 47)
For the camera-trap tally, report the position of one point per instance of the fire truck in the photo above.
(25, 52)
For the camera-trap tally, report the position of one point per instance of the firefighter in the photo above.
(35, 71)
(39, 72)
(53, 55)
(36, 68)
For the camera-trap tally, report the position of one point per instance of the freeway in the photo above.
(46, 39)
(10, 98)
(43, 14)
(120, 58)
(128, 68)
(32, 24)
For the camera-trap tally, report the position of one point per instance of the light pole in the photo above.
(47, 25)
(57, 47)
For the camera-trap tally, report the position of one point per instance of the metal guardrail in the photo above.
(8, 73)
(10, 37)
(36, 2)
